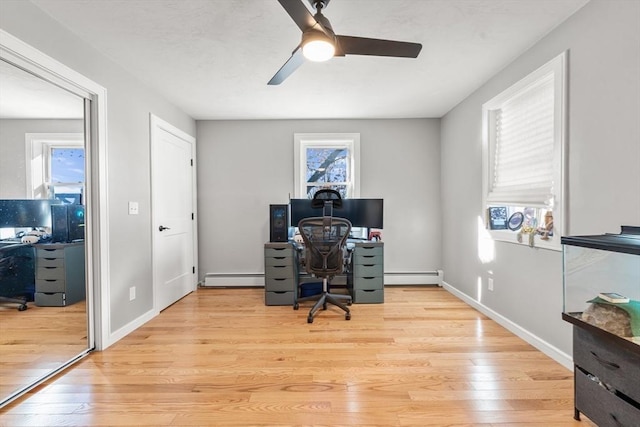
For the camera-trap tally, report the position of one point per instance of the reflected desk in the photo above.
(284, 272)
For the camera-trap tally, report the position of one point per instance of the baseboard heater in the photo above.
(257, 279)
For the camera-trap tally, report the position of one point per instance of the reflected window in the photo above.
(66, 173)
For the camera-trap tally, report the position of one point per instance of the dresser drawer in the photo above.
(279, 271)
(366, 270)
(278, 284)
(50, 253)
(50, 285)
(279, 298)
(50, 262)
(57, 299)
(50, 273)
(278, 261)
(368, 250)
(367, 259)
(369, 283)
(368, 296)
(278, 252)
(612, 365)
(602, 406)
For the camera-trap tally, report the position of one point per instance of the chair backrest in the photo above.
(326, 194)
(324, 242)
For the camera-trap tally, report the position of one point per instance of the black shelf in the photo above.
(628, 241)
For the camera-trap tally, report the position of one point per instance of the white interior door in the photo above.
(173, 213)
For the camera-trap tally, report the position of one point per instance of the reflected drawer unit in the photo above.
(366, 279)
(60, 274)
(280, 274)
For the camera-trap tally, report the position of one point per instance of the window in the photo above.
(523, 141)
(55, 166)
(327, 160)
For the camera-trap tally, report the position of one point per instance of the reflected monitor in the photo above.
(26, 213)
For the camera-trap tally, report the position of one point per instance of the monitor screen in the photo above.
(361, 212)
(26, 213)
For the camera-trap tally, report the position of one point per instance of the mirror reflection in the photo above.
(43, 306)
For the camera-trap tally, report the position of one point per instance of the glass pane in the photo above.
(67, 165)
(327, 165)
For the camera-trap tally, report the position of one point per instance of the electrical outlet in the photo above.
(490, 283)
(132, 293)
(133, 208)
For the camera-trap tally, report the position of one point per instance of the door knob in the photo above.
(162, 228)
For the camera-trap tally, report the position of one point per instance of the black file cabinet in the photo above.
(60, 274)
(280, 273)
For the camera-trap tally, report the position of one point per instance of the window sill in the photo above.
(509, 236)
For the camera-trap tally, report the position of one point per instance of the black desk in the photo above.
(17, 272)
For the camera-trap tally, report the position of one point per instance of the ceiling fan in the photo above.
(320, 43)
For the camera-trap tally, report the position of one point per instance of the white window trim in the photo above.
(557, 66)
(37, 147)
(304, 140)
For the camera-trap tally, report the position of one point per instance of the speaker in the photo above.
(279, 223)
(59, 224)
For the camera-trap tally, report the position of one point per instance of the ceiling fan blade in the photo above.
(377, 47)
(299, 13)
(292, 64)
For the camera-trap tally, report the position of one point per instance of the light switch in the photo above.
(133, 208)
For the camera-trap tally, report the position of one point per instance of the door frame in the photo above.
(30, 59)
(155, 125)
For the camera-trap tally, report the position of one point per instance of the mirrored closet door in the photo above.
(44, 309)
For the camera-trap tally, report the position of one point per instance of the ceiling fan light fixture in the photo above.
(317, 47)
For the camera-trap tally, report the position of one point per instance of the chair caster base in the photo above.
(310, 319)
(347, 316)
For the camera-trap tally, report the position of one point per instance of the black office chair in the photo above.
(325, 241)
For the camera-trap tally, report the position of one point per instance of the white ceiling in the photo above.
(213, 58)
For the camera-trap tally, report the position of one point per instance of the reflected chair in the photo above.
(325, 240)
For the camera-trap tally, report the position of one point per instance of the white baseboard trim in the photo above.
(421, 278)
(233, 279)
(553, 352)
(257, 279)
(128, 328)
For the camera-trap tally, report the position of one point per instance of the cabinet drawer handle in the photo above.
(605, 363)
(615, 420)
(369, 278)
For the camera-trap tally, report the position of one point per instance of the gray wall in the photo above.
(603, 40)
(243, 166)
(129, 103)
(13, 179)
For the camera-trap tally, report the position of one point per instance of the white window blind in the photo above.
(524, 147)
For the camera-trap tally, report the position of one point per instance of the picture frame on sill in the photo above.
(498, 218)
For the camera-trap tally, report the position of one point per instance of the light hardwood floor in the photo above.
(37, 341)
(220, 357)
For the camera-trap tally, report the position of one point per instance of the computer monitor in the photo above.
(361, 212)
(27, 213)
